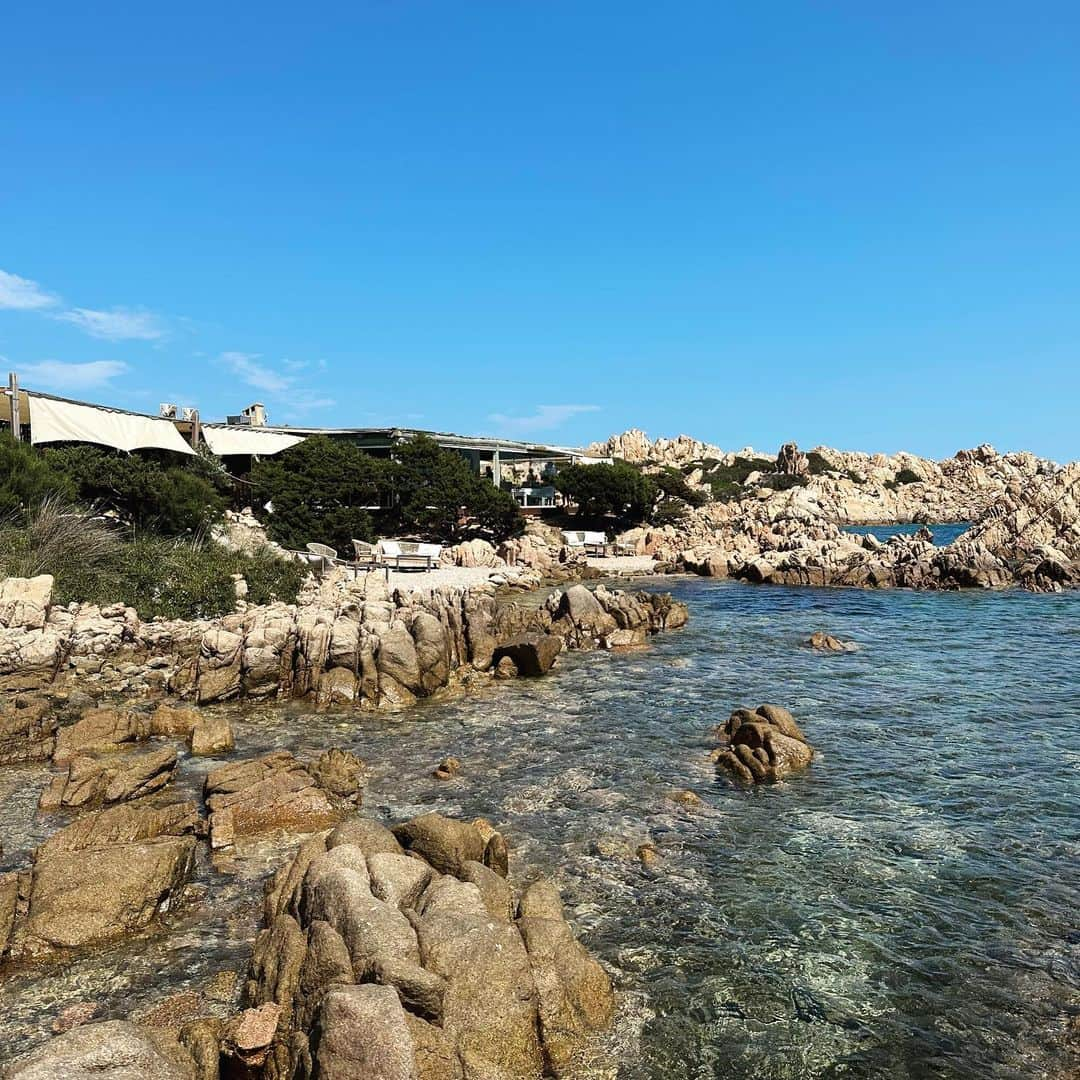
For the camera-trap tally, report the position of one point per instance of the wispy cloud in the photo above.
(545, 418)
(57, 375)
(22, 294)
(117, 324)
(255, 373)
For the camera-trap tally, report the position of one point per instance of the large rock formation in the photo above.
(396, 966)
(347, 644)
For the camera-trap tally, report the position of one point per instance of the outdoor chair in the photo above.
(595, 543)
(367, 555)
(325, 557)
(409, 555)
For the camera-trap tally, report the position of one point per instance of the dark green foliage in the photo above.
(908, 476)
(818, 464)
(26, 478)
(783, 482)
(320, 490)
(91, 561)
(439, 495)
(667, 512)
(672, 485)
(330, 492)
(166, 493)
(601, 491)
(726, 480)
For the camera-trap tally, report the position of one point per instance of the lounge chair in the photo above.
(325, 557)
(409, 555)
(594, 543)
(367, 555)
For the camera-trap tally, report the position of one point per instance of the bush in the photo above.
(164, 492)
(327, 491)
(908, 476)
(171, 578)
(672, 485)
(603, 490)
(26, 478)
(726, 481)
(818, 464)
(58, 539)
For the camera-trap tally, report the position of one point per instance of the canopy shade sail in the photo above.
(232, 439)
(53, 420)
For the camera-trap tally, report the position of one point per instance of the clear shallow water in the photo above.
(907, 908)
(943, 534)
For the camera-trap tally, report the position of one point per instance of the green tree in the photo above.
(320, 491)
(161, 492)
(328, 491)
(439, 496)
(26, 478)
(601, 491)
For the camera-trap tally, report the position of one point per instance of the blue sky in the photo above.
(843, 223)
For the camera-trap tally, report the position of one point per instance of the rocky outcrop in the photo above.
(92, 781)
(348, 644)
(112, 1050)
(392, 966)
(790, 462)
(762, 746)
(277, 792)
(27, 730)
(91, 895)
(637, 448)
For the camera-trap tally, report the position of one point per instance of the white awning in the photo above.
(64, 421)
(234, 439)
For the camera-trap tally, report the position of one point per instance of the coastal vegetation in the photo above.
(172, 577)
(331, 491)
(128, 528)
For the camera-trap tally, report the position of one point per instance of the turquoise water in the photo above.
(943, 534)
(905, 909)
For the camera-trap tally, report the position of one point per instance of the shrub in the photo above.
(672, 484)
(56, 538)
(726, 481)
(908, 476)
(165, 492)
(172, 578)
(26, 478)
(818, 464)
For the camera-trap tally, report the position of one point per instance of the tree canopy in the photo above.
(332, 492)
(617, 491)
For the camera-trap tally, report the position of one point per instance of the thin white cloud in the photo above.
(57, 375)
(117, 324)
(254, 373)
(22, 294)
(545, 418)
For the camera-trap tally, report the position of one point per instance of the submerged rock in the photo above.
(827, 643)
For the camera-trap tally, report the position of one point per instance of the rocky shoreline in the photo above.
(469, 979)
(1025, 513)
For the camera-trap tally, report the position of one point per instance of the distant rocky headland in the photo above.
(781, 520)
